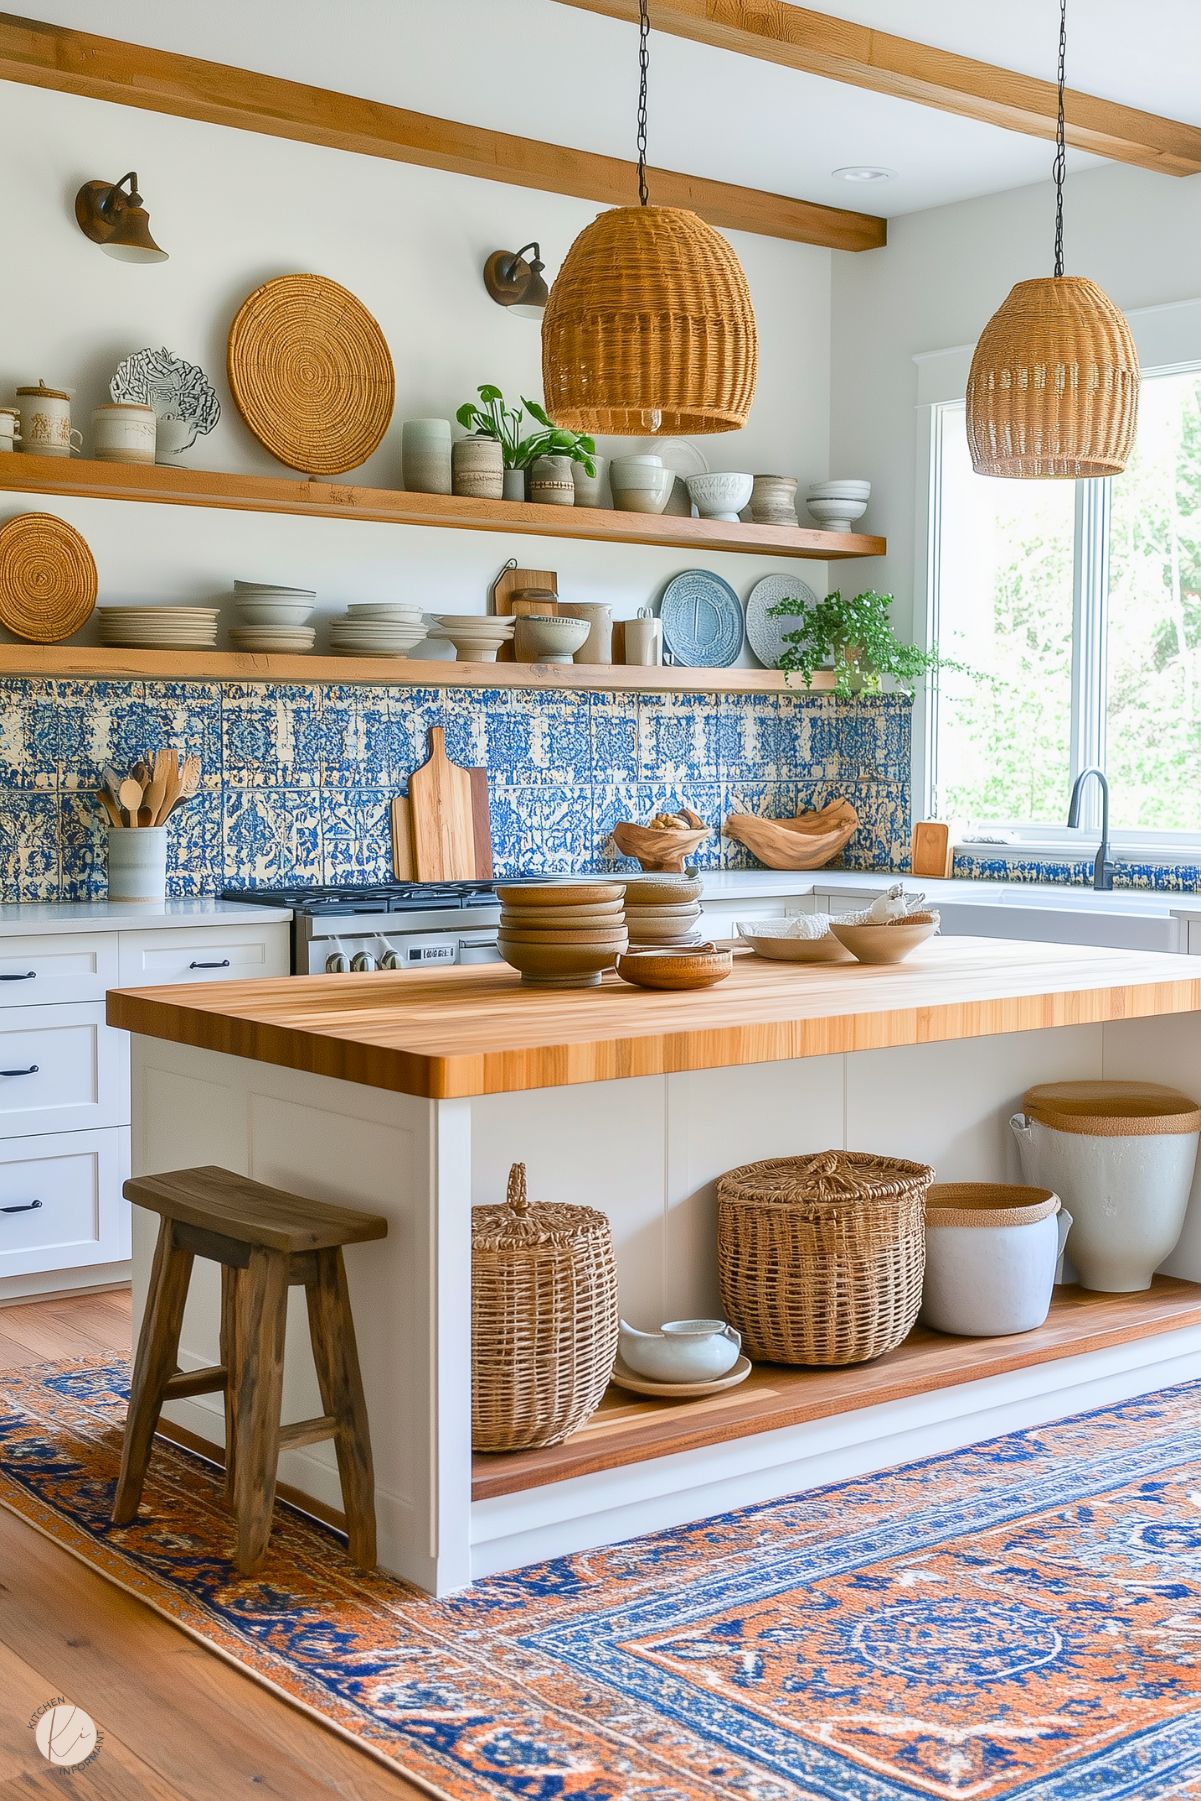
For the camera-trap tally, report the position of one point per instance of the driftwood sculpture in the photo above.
(664, 845)
(806, 842)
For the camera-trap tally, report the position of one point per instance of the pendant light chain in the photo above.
(644, 59)
(1060, 165)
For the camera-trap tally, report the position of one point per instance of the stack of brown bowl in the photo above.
(561, 934)
(663, 911)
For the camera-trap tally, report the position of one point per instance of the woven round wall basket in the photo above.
(1053, 387)
(821, 1258)
(47, 578)
(311, 374)
(543, 1319)
(649, 327)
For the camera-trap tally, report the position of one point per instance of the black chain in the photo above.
(1060, 165)
(644, 32)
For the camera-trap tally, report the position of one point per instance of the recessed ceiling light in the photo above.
(864, 172)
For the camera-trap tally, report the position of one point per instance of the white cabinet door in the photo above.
(57, 967)
(61, 1205)
(62, 1069)
(219, 953)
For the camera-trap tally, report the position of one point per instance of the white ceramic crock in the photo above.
(992, 1251)
(124, 432)
(137, 863)
(1127, 1190)
(682, 1350)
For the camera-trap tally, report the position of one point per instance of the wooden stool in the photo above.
(265, 1241)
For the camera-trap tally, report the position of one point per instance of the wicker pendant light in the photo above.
(1053, 388)
(649, 326)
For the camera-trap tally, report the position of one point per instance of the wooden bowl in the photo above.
(796, 950)
(560, 894)
(660, 847)
(615, 937)
(805, 842)
(562, 918)
(888, 943)
(558, 966)
(662, 890)
(699, 967)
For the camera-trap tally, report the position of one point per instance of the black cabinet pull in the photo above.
(223, 964)
(27, 977)
(31, 1071)
(29, 1207)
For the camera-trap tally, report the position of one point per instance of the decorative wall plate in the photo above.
(764, 634)
(47, 578)
(311, 374)
(184, 399)
(702, 621)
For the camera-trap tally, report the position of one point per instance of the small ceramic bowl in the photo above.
(826, 949)
(843, 489)
(721, 496)
(546, 639)
(273, 612)
(888, 943)
(559, 919)
(699, 967)
(559, 894)
(558, 965)
(609, 937)
(661, 890)
(832, 511)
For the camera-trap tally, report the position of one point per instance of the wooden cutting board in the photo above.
(458, 864)
(931, 851)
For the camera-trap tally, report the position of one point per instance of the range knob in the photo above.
(337, 965)
(363, 963)
(390, 960)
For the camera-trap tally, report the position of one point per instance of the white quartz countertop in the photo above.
(35, 918)
(748, 884)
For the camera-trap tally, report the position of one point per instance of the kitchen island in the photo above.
(410, 1094)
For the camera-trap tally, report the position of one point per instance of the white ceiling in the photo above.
(569, 77)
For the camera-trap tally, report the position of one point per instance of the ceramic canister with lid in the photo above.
(992, 1249)
(1122, 1156)
(46, 421)
(124, 432)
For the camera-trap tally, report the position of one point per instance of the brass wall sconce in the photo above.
(117, 221)
(516, 283)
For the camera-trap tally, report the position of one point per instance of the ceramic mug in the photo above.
(10, 428)
(644, 642)
(124, 432)
(46, 422)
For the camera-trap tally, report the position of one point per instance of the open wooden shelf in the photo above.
(26, 474)
(87, 662)
(628, 1429)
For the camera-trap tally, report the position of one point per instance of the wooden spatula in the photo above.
(440, 812)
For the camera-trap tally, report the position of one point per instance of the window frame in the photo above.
(1169, 343)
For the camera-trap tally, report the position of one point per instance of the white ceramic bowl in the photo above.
(840, 490)
(263, 590)
(273, 612)
(395, 610)
(720, 496)
(641, 489)
(836, 512)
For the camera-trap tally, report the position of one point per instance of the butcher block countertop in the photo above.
(478, 1030)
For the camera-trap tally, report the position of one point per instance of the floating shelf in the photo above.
(628, 1429)
(25, 474)
(86, 662)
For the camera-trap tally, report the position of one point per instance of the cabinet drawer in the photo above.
(62, 1069)
(66, 967)
(232, 953)
(80, 1216)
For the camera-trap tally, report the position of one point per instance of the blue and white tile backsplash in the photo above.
(1021, 866)
(298, 780)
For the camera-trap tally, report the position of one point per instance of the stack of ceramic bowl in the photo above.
(159, 628)
(640, 484)
(378, 628)
(272, 617)
(838, 504)
(561, 934)
(663, 911)
(476, 636)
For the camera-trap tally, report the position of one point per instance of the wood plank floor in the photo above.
(629, 1429)
(179, 1724)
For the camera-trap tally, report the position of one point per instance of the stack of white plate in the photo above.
(378, 628)
(158, 628)
(476, 636)
(271, 617)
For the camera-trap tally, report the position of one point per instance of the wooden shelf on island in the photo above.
(87, 662)
(628, 1429)
(171, 486)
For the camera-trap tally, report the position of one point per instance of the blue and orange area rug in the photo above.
(1018, 1620)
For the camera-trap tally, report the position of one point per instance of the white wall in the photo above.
(233, 209)
(942, 276)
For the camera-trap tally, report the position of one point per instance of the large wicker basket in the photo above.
(543, 1319)
(821, 1258)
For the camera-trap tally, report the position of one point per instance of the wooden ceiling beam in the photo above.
(75, 62)
(774, 31)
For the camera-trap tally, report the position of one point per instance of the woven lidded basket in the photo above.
(821, 1258)
(543, 1319)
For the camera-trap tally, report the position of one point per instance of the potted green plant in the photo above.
(493, 419)
(857, 637)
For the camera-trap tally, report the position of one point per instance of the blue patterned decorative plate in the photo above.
(702, 621)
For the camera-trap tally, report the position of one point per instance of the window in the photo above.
(1080, 603)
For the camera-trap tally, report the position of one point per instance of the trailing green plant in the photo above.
(493, 419)
(858, 638)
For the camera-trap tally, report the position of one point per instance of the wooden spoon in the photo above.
(130, 796)
(172, 784)
(110, 806)
(156, 789)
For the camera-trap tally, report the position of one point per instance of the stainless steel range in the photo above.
(398, 925)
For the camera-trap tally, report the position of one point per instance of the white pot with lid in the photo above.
(992, 1251)
(1122, 1156)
